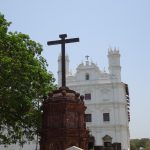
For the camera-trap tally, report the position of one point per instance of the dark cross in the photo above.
(63, 41)
(87, 57)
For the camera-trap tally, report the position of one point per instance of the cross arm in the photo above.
(63, 41)
(54, 42)
(72, 40)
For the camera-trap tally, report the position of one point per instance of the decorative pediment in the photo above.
(107, 138)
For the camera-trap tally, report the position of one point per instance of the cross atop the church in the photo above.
(87, 57)
(63, 41)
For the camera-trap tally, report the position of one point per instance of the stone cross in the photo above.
(63, 41)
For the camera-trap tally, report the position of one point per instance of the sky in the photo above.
(100, 24)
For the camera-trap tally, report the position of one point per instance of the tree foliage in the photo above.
(137, 143)
(23, 82)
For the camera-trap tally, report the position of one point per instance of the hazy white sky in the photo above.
(99, 24)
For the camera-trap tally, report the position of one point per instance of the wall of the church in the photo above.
(107, 100)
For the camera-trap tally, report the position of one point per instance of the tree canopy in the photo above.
(24, 80)
(136, 144)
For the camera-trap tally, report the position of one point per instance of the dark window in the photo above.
(87, 76)
(88, 96)
(88, 118)
(106, 117)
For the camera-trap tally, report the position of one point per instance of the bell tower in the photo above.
(114, 64)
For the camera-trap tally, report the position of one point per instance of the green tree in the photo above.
(134, 144)
(137, 143)
(147, 145)
(24, 81)
(144, 141)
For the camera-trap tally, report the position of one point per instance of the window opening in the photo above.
(87, 96)
(88, 118)
(87, 76)
(106, 117)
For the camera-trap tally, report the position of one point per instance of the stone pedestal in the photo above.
(63, 123)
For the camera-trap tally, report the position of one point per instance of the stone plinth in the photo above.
(63, 123)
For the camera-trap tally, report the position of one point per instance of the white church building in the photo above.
(106, 97)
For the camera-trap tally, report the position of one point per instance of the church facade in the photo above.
(106, 97)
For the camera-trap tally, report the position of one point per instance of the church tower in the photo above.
(114, 64)
(59, 68)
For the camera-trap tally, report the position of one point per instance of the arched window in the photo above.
(87, 76)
